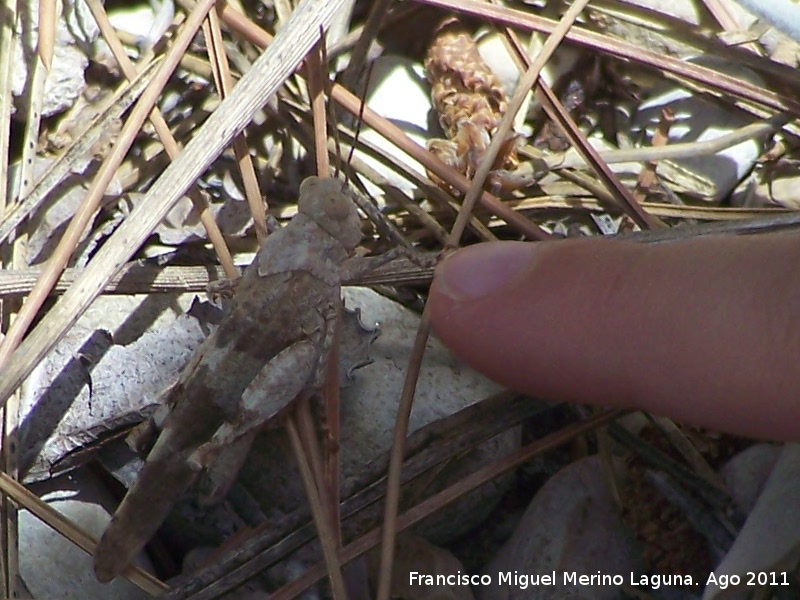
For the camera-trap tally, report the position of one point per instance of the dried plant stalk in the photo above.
(469, 99)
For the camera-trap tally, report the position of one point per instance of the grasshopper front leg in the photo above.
(359, 266)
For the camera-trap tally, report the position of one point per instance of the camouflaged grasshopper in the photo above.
(272, 344)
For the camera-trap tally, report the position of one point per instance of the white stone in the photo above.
(52, 566)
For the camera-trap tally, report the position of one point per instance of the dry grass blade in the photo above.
(449, 495)
(316, 75)
(8, 554)
(681, 150)
(166, 137)
(48, 16)
(394, 134)
(390, 526)
(320, 513)
(72, 532)
(91, 202)
(8, 530)
(34, 97)
(773, 223)
(224, 81)
(138, 278)
(415, 361)
(313, 455)
(6, 40)
(250, 94)
(743, 216)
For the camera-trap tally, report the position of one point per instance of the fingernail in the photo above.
(482, 269)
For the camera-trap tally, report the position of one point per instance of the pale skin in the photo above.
(705, 331)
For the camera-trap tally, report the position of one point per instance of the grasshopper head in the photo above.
(328, 203)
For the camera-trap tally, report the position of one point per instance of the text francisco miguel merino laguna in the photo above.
(524, 580)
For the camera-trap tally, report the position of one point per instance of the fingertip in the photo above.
(472, 299)
(467, 284)
(481, 270)
(703, 331)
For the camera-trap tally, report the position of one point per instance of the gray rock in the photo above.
(52, 566)
(571, 526)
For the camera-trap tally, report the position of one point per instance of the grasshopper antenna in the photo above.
(360, 114)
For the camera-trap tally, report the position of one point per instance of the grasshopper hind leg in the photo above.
(141, 513)
(224, 470)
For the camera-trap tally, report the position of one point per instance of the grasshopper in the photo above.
(272, 344)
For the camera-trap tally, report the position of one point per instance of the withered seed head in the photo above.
(463, 85)
(469, 99)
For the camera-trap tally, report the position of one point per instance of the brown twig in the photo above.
(315, 77)
(138, 278)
